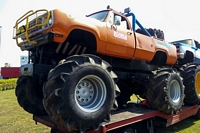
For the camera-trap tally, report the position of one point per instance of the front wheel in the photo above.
(80, 93)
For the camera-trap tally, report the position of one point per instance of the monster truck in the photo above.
(190, 71)
(81, 70)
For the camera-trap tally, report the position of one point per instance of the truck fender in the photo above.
(189, 57)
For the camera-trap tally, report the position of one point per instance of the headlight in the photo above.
(21, 29)
(50, 21)
(46, 22)
(182, 55)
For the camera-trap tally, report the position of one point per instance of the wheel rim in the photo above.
(197, 82)
(175, 91)
(90, 93)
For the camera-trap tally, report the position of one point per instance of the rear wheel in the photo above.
(191, 80)
(27, 96)
(165, 91)
(80, 93)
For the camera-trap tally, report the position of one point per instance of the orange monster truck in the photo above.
(80, 70)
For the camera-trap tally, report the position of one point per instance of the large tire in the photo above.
(165, 91)
(157, 33)
(191, 80)
(80, 93)
(25, 92)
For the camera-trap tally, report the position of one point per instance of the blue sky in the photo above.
(179, 19)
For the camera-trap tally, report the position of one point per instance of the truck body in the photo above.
(189, 45)
(106, 37)
(81, 70)
(10, 72)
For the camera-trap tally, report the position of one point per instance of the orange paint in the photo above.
(111, 40)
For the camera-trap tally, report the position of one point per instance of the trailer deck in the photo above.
(130, 116)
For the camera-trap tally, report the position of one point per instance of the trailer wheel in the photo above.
(25, 86)
(80, 93)
(191, 80)
(165, 91)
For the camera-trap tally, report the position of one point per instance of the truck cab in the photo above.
(189, 45)
(124, 42)
(119, 39)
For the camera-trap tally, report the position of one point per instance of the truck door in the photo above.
(120, 37)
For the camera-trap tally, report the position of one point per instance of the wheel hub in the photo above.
(175, 91)
(90, 93)
(84, 92)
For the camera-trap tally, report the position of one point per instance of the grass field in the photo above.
(13, 119)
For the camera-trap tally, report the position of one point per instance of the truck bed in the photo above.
(130, 116)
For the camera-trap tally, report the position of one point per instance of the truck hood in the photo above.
(87, 21)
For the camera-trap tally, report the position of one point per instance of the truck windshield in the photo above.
(99, 15)
(188, 41)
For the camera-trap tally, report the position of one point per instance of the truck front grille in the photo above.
(31, 24)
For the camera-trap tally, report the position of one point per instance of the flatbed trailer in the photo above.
(131, 120)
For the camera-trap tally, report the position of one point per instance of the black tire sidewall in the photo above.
(189, 73)
(23, 85)
(69, 92)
